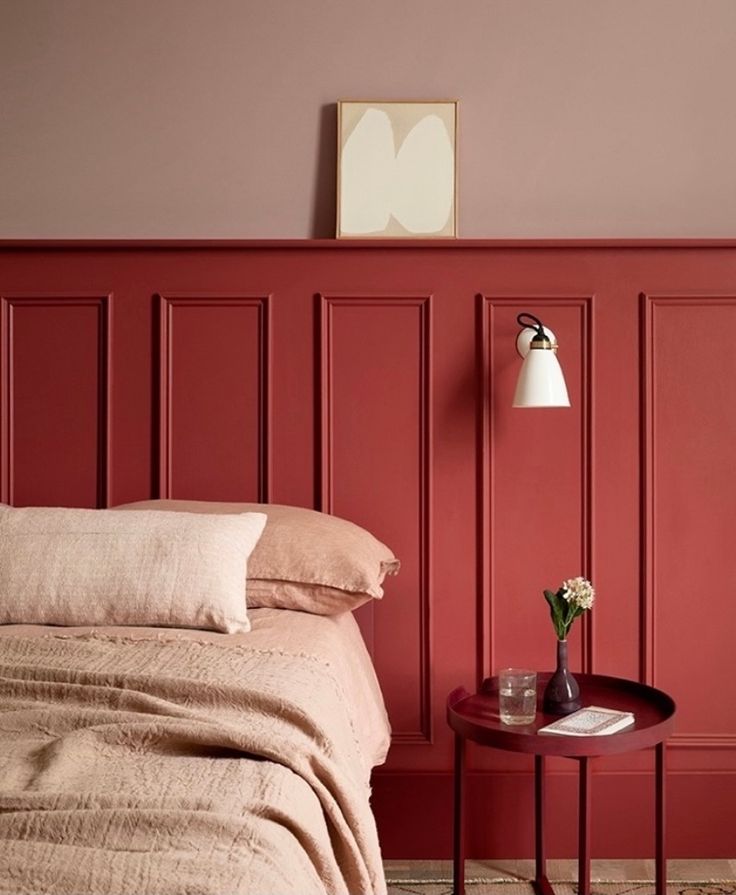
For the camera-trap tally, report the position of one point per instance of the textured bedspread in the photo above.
(179, 766)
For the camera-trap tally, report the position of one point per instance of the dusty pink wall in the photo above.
(193, 118)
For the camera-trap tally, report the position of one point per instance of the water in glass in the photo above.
(517, 696)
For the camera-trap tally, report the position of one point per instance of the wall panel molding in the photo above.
(384, 411)
(328, 305)
(169, 302)
(487, 467)
(9, 304)
(649, 305)
(703, 741)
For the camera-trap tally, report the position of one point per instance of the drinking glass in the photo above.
(517, 688)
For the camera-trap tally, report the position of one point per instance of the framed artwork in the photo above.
(397, 169)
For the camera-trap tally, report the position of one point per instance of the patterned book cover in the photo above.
(590, 721)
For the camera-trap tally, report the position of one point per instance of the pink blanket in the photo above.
(181, 764)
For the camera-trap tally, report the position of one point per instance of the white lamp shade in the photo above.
(541, 382)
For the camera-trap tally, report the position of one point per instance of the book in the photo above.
(590, 721)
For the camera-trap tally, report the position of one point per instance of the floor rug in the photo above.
(514, 887)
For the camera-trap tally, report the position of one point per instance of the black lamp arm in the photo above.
(536, 323)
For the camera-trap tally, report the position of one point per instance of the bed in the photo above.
(159, 760)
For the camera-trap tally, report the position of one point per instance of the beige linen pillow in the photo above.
(305, 560)
(101, 567)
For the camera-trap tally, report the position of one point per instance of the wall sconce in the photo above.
(540, 383)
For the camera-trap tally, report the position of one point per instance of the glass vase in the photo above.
(562, 693)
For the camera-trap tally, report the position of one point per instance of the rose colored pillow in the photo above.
(101, 567)
(305, 560)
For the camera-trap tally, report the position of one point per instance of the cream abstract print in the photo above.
(397, 169)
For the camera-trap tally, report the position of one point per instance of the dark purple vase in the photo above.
(562, 694)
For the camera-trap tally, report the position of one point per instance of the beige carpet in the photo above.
(513, 887)
(609, 877)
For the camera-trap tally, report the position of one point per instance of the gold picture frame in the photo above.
(397, 171)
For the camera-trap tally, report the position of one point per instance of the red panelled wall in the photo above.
(375, 381)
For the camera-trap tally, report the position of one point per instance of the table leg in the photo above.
(584, 828)
(458, 866)
(541, 883)
(661, 860)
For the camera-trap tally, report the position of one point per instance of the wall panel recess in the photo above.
(537, 485)
(375, 469)
(55, 370)
(689, 510)
(214, 411)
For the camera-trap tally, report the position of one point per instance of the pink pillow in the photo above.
(305, 559)
(63, 566)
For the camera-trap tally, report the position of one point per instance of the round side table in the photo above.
(476, 717)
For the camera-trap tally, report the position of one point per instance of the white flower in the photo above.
(578, 591)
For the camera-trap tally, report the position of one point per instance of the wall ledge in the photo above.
(346, 244)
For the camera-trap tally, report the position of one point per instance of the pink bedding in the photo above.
(167, 761)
